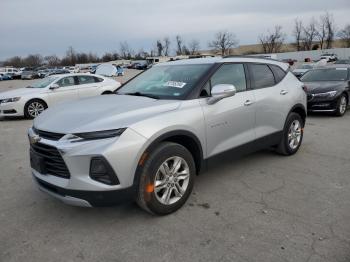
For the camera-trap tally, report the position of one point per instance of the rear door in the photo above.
(67, 90)
(88, 86)
(272, 99)
(229, 122)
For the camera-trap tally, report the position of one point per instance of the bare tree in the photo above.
(125, 51)
(194, 47)
(160, 48)
(223, 42)
(322, 31)
(297, 33)
(330, 29)
(33, 60)
(15, 61)
(310, 34)
(272, 42)
(344, 34)
(179, 45)
(166, 45)
(52, 60)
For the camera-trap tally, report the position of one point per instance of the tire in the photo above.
(341, 105)
(292, 136)
(154, 198)
(33, 108)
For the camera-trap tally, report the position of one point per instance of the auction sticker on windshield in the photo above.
(175, 84)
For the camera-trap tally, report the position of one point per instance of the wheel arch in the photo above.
(301, 110)
(183, 137)
(36, 98)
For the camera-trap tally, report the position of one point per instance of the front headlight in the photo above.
(10, 100)
(327, 94)
(78, 137)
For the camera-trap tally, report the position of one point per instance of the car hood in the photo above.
(101, 113)
(20, 92)
(323, 86)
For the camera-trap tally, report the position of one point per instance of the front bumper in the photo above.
(315, 104)
(11, 109)
(122, 153)
(84, 198)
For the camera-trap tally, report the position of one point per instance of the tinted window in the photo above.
(332, 74)
(66, 81)
(262, 76)
(97, 79)
(232, 74)
(278, 72)
(86, 80)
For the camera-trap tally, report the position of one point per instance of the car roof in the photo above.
(76, 74)
(230, 59)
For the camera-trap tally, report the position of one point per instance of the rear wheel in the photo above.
(342, 105)
(34, 108)
(166, 179)
(292, 135)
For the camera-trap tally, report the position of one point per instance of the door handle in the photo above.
(248, 103)
(283, 92)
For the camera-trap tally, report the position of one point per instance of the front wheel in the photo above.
(342, 105)
(166, 179)
(34, 108)
(292, 135)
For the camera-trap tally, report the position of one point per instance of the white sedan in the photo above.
(35, 98)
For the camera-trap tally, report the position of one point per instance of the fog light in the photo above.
(101, 171)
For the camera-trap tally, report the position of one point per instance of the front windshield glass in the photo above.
(42, 83)
(305, 67)
(166, 81)
(334, 74)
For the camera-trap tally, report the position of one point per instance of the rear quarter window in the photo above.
(98, 79)
(278, 72)
(262, 76)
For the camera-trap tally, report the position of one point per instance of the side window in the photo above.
(98, 79)
(86, 80)
(278, 72)
(262, 76)
(232, 74)
(66, 81)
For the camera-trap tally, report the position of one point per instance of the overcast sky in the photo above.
(49, 27)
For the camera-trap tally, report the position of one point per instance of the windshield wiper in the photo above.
(141, 94)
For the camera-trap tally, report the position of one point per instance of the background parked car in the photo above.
(29, 74)
(35, 98)
(5, 77)
(14, 73)
(342, 62)
(328, 89)
(329, 57)
(302, 69)
(58, 72)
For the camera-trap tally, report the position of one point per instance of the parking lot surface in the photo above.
(262, 207)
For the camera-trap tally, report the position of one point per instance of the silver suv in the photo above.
(148, 141)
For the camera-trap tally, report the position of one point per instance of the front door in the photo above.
(231, 121)
(66, 91)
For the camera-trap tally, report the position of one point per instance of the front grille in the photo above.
(48, 135)
(53, 161)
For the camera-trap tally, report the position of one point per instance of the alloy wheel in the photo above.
(171, 180)
(35, 109)
(343, 105)
(294, 134)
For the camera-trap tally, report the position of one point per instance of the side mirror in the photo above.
(222, 91)
(54, 86)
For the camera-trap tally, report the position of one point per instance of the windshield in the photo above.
(42, 83)
(305, 67)
(334, 74)
(166, 81)
(342, 62)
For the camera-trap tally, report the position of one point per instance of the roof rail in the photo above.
(251, 56)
